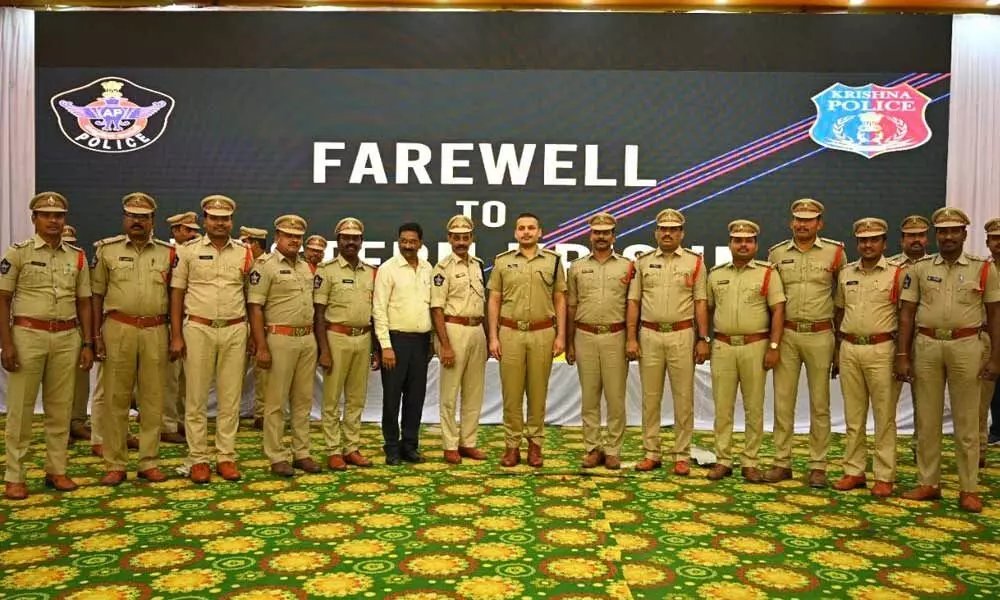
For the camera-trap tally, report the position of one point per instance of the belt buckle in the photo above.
(298, 331)
(665, 327)
(803, 327)
(942, 334)
(603, 328)
(737, 340)
(523, 325)
(218, 323)
(356, 331)
(863, 340)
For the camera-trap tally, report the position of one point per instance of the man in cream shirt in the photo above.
(401, 308)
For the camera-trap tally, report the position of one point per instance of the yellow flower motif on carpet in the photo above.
(499, 523)
(398, 499)
(576, 568)
(81, 526)
(89, 492)
(688, 528)
(706, 498)
(837, 521)
(381, 521)
(621, 517)
(921, 582)
(104, 542)
(32, 500)
(327, 531)
(874, 548)
(36, 578)
(188, 580)
(152, 516)
(593, 503)
(807, 500)
(612, 495)
(366, 487)
(725, 519)
(887, 510)
(267, 517)
(630, 542)
(659, 486)
(436, 565)
(646, 575)
(728, 590)
(348, 507)
(132, 503)
(501, 501)
(991, 549)
(37, 513)
(671, 505)
(833, 559)
(973, 563)
(26, 555)
(564, 511)
(264, 593)
(804, 530)
(926, 534)
(241, 504)
(877, 592)
(189, 495)
(951, 524)
(364, 548)
(161, 558)
(316, 479)
(297, 562)
(569, 537)
(269, 486)
(294, 497)
(338, 585)
(448, 534)
(778, 578)
(430, 467)
(898, 501)
(457, 509)
(504, 483)
(742, 544)
(256, 462)
(233, 545)
(463, 489)
(619, 590)
(495, 551)
(411, 481)
(420, 595)
(110, 591)
(561, 491)
(489, 588)
(206, 528)
(708, 557)
(777, 508)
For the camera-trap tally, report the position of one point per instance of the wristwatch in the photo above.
(87, 345)
(706, 339)
(773, 345)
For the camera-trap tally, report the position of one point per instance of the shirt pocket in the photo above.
(968, 293)
(34, 277)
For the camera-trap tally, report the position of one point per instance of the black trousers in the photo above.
(406, 384)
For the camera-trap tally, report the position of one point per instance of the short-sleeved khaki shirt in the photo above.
(950, 296)
(527, 285)
(809, 277)
(133, 280)
(598, 289)
(870, 299)
(214, 280)
(44, 281)
(345, 291)
(739, 297)
(667, 285)
(458, 287)
(284, 288)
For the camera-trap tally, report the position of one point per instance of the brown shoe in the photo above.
(776, 474)
(282, 469)
(648, 464)
(612, 462)
(847, 482)
(228, 471)
(307, 464)
(751, 474)
(970, 502)
(173, 437)
(923, 493)
(97, 450)
(132, 442)
(511, 457)
(473, 453)
(258, 423)
(719, 471)
(201, 473)
(335, 462)
(153, 475)
(682, 468)
(817, 478)
(452, 457)
(15, 491)
(113, 478)
(59, 483)
(882, 489)
(594, 458)
(355, 458)
(79, 432)
(534, 455)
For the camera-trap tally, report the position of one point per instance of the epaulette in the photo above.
(367, 264)
(552, 252)
(976, 257)
(476, 258)
(829, 241)
(925, 257)
(895, 261)
(239, 243)
(645, 254)
(326, 262)
(511, 252)
(23, 244)
(690, 251)
(579, 258)
(162, 243)
(774, 247)
(763, 263)
(72, 247)
(190, 242)
(719, 266)
(109, 240)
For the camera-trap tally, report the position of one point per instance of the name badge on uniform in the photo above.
(346, 281)
(512, 265)
(125, 259)
(284, 272)
(934, 278)
(788, 261)
(850, 283)
(205, 257)
(723, 282)
(38, 264)
(457, 276)
(656, 266)
(438, 280)
(585, 271)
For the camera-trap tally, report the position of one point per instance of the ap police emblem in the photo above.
(871, 119)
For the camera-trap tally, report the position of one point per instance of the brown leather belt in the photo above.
(527, 325)
(599, 329)
(809, 326)
(949, 334)
(741, 340)
(43, 325)
(869, 340)
(468, 321)
(216, 323)
(140, 322)
(290, 330)
(667, 327)
(348, 330)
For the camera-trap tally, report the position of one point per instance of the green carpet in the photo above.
(476, 532)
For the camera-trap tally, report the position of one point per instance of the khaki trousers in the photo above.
(815, 350)
(866, 376)
(986, 388)
(467, 376)
(667, 354)
(98, 407)
(173, 402)
(290, 379)
(742, 368)
(349, 378)
(525, 366)
(603, 369)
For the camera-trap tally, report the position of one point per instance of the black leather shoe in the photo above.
(413, 456)
(392, 460)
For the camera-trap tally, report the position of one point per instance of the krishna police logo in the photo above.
(112, 115)
(871, 119)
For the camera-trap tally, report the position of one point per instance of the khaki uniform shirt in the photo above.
(667, 285)
(950, 296)
(739, 300)
(598, 289)
(901, 259)
(809, 277)
(402, 299)
(459, 287)
(133, 281)
(527, 285)
(345, 291)
(284, 288)
(213, 279)
(44, 281)
(869, 298)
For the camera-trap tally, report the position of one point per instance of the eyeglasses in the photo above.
(138, 217)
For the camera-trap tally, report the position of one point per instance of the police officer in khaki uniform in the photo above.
(987, 386)
(943, 297)
(314, 251)
(256, 239)
(281, 319)
(808, 265)
(527, 329)
(598, 286)
(45, 333)
(867, 297)
(131, 275)
(458, 307)
(208, 287)
(183, 228)
(667, 309)
(747, 302)
(342, 302)
(78, 428)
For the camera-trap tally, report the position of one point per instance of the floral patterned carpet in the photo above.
(476, 532)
